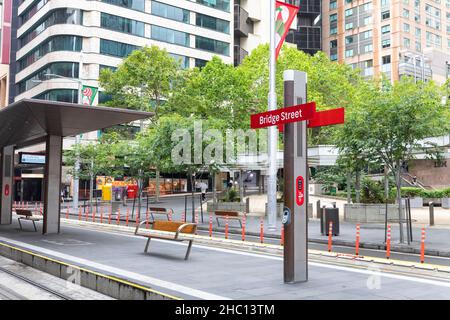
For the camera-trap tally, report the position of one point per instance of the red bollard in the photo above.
(388, 242)
(282, 235)
(422, 247)
(330, 236)
(109, 215)
(357, 239)
(210, 225)
(67, 211)
(127, 217)
(244, 225)
(138, 218)
(118, 216)
(101, 214)
(94, 213)
(196, 217)
(261, 230)
(170, 214)
(183, 217)
(226, 227)
(79, 214)
(87, 214)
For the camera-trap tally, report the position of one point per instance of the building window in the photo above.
(31, 11)
(212, 45)
(405, 13)
(385, 3)
(170, 36)
(349, 26)
(333, 17)
(223, 5)
(348, 1)
(386, 29)
(61, 95)
(406, 2)
(333, 4)
(386, 59)
(59, 16)
(417, 17)
(121, 24)
(366, 35)
(348, 12)
(418, 46)
(333, 57)
(212, 23)
(406, 27)
(333, 30)
(170, 12)
(386, 43)
(333, 44)
(418, 32)
(406, 42)
(64, 69)
(199, 63)
(130, 4)
(368, 48)
(385, 15)
(366, 6)
(182, 60)
(417, 4)
(116, 49)
(349, 40)
(367, 21)
(349, 53)
(57, 43)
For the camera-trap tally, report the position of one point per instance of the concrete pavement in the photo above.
(218, 273)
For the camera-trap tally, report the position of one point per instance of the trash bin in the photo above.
(331, 215)
(132, 191)
(106, 192)
(117, 191)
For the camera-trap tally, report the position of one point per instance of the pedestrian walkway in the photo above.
(219, 273)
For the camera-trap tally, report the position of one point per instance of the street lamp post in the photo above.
(272, 152)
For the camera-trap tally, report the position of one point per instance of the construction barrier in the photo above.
(244, 224)
(330, 236)
(261, 230)
(226, 227)
(388, 242)
(422, 247)
(358, 227)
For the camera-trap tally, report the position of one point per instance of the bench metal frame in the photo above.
(26, 217)
(175, 238)
(163, 211)
(224, 216)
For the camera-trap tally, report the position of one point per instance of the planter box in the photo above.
(280, 209)
(369, 213)
(446, 203)
(436, 201)
(227, 206)
(416, 202)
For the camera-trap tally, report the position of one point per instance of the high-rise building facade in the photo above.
(5, 47)
(61, 43)
(394, 37)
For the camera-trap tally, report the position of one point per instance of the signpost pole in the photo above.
(272, 152)
(295, 182)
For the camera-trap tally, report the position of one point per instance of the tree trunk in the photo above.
(214, 188)
(91, 186)
(192, 177)
(157, 186)
(358, 186)
(386, 182)
(399, 198)
(349, 187)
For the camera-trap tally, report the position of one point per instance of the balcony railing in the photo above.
(239, 55)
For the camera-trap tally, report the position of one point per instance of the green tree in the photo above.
(142, 80)
(394, 118)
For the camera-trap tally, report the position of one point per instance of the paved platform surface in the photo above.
(215, 273)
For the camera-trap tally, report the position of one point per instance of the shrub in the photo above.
(433, 193)
(446, 193)
(231, 196)
(371, 192)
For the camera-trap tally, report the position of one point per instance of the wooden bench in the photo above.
(28, 216)
(168, 230)
(162, 211)
(232, 215)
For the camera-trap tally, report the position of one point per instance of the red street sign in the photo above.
(327, 118)
(297, 113)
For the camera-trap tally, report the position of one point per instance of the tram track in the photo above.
(7, 293)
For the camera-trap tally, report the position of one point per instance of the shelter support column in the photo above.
(7, 168)
(52, 192)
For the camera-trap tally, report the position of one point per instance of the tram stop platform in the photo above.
(212, 272)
